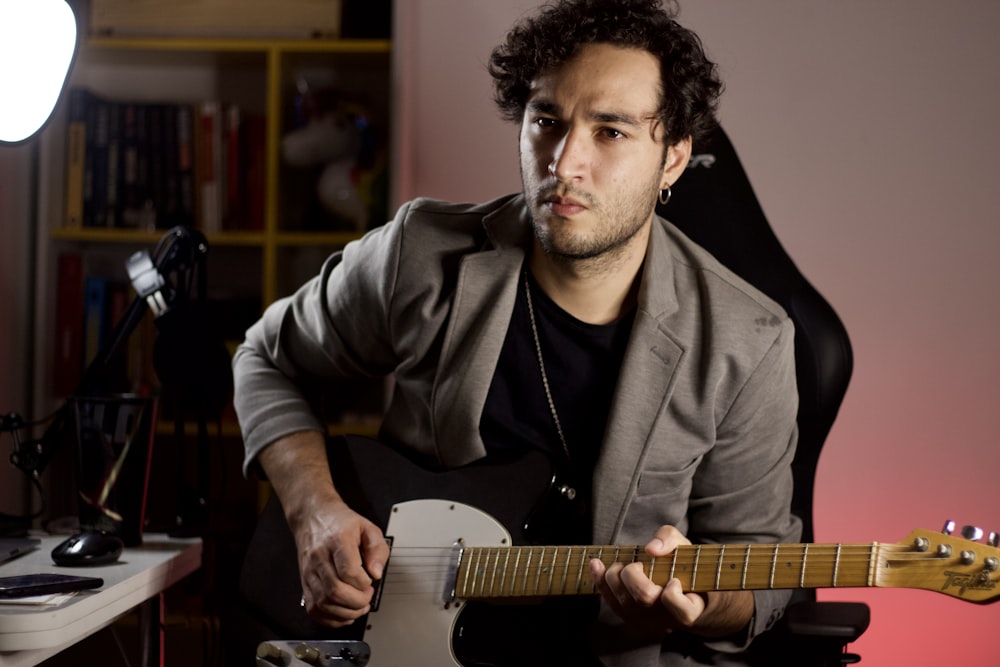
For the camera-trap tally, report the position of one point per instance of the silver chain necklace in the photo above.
(541, 367)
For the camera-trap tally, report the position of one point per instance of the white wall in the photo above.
(870, 131)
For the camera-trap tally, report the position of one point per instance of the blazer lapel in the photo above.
(644, 388)
(482, 307)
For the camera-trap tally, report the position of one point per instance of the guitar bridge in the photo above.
(451, 579)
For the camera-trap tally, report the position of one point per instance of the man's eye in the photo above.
(612, 133)
(545, 122)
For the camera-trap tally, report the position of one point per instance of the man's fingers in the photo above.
(374, 552)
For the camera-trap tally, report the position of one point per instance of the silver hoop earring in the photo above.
(664, 198)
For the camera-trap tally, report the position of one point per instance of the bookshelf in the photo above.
(259, 76)
(248, 268)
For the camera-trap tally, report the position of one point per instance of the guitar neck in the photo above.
(513, 572)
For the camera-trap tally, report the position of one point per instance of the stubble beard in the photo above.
(602, 248)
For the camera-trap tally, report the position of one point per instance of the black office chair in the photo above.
(715, 205)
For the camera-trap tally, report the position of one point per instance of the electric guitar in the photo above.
(452, 549)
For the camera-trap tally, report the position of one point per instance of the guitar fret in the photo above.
(527, 569)
(673, 564)
(517, 570)
(503, 573)
(774, 565)
(718, 570)
(746, 567)
(565, 573)
(493, 570)
(552, 569)
(694, 569)
(802, 577)
(538, 571)
(836, 565)
(470, 569)
(872, 551)
(579, 572)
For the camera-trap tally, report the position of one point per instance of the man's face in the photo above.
(592, 151)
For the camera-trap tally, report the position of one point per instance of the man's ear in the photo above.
(677, 160)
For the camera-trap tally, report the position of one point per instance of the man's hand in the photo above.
(658, 610)
(341, 554)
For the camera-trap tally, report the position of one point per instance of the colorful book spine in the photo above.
(76, 145)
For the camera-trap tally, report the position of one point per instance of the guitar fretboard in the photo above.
(512, 572)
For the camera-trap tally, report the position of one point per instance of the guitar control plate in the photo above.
(325, 653)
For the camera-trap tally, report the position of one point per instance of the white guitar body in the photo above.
(413, 623)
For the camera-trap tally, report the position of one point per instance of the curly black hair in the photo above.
(691, 85)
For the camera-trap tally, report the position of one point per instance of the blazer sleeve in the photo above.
(315, 335)
(743, 488)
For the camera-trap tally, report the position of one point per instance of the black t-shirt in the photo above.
(582, 363)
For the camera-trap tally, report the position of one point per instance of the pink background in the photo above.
(870, 132)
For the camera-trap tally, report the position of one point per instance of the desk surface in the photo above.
(29, 635)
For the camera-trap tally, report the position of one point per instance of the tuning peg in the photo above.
(949, 527)
(972, 532)
(993, 540)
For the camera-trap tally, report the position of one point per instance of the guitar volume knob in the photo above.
(270, 653)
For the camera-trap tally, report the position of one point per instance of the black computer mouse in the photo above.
(90, 548)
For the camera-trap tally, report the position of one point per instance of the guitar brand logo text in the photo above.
(964, 581)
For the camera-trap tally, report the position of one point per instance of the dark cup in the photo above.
(114, 449)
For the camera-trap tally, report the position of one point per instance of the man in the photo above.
(567, 319)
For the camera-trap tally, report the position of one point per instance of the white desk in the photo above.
(29, 635)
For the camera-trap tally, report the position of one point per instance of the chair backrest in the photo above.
(715, 205)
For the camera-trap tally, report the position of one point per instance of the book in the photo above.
(234, 169)
(209, 152)
(76, 144)
(95, 213)
(94, 316)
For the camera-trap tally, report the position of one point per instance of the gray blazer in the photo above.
(702, 427)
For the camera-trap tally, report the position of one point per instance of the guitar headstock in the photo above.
(961, 567)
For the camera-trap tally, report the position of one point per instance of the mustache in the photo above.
(563, 191)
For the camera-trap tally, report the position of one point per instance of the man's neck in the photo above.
(598, 290)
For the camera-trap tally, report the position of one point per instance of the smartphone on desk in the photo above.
(27, 585)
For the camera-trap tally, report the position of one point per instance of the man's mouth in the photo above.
(563, 207)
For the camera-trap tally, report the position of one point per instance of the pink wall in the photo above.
(870, 132)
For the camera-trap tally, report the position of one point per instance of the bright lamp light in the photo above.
(37, 44)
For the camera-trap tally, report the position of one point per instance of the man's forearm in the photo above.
(298, 469)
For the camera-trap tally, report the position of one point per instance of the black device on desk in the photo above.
(12, 547)
(27, 585)
(88, 548)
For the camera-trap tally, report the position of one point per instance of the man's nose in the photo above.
(570, 157)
